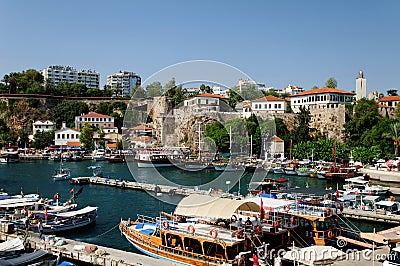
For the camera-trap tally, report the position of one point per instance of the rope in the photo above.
(106, 232)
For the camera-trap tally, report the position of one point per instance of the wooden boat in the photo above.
(116, 158)
(185, 241)
(64, 221)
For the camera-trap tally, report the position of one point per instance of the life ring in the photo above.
(258, 229)
(56, 196)
(293, 220)
(233, 218)
(286, 208)
(165, 224)
(328, 211)
(239, 234)
(190, 229)
(330, 234)
(213, 233)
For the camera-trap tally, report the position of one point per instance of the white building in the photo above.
(290, 89)
(389, 101)
(94, 119)
(274, 147)
(65, 135)
(205, 102)
(39, 126)
(218, 91)
(321, 98)
(124, 82)
(361, 86)
(269, 104)
(244, 108)
(244, 83)
(58, 74)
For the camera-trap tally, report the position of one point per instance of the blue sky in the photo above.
(275, 42)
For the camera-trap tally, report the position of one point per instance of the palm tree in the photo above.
(394, 134)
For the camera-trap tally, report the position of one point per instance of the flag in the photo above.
(261, 210)
(47, 214)
(337, 195)
(72, 191)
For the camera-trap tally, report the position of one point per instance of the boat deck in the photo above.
(371, 215)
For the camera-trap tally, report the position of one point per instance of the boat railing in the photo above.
(143, 218)
(315, 211)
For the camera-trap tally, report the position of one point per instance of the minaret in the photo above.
(361, 86)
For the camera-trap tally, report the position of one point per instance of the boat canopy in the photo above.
(12, 245)
(270, 203)
(85, 210)
(196, 205)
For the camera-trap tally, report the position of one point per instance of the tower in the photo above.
(361, 86)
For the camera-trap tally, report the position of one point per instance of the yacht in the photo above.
(99, 155)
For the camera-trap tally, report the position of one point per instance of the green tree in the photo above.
(66, 111)
(331, 83)
(301, 133)
(86, 137)
(139, 92)
(234, 98)
(394, 134)
(43, 139)
(219, 135)
(154, 89)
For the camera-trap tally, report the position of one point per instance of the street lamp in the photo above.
(228, 183)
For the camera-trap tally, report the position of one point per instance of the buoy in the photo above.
(330, 234)
(213, 233)
(190, 229)
(165, 224)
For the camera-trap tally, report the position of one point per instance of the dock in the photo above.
(170, 190)
(371, 216)
(89, 253)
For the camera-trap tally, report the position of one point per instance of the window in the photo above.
(265, 106)
(67, 136)
(269, 106)
(275, 106)
(279, 106)
(63, 136)
(58, 136)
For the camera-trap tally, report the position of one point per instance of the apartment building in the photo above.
(67, 74)
(123, 83)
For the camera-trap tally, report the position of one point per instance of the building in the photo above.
(66, 135)
(218, 91)
(66, 74)
(39, 126)
(274, 147)
(323, 98)
(98, 120)
(361, 86)
(123, 83)
(290, 89)
(244, 83)
(244, 108)
(205, 102)
(268, 104)
(389, 101)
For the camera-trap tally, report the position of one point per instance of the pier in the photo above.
(371, 216)
(171, 190)
(89, 253)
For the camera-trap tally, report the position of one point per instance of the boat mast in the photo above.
(199, 143)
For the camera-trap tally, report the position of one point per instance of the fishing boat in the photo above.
(9, 156)
(61, 173)
(191, 241)
(65, 221)
(149, 158)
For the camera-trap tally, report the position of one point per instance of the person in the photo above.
(277, 260)
(26, 225)
(40, 229)
(169, 242)
(240, 224)
(256, 222)
(248, 223)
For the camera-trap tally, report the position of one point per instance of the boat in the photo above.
(55, 157)
(37, 257)
(361, 186)
(186, 241)
(99, 155)
(303, 171)
(154, 157)
(61, 173)
(65, 221)
(9, 156)
(116, 158)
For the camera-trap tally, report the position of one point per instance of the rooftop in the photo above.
(323, 90)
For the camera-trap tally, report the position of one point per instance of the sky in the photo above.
(277, 43)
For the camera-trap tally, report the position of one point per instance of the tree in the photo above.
(219, 135)
(66, 111)
(154, 89)
(315, 87)
(301, 133)
(331, 83)
(392, 92)
(234, 98)
(394, 134)
(139, 92)
(44, 139)
(86, 137)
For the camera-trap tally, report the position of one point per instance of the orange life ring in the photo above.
(190, 229)
(165, 224)
(213, 233)
(258, 229)
(286, 208)
(328, 211)
(330, 234)
(239, 234)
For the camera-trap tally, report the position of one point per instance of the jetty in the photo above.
(371, 216)
(86, 252)
(171, 190)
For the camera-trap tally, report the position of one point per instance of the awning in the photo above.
(85, 210)
(196, 205)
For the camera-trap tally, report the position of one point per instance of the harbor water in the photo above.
(115, 203)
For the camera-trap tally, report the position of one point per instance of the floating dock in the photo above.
(90, 253)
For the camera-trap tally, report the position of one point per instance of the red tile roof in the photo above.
(73, 143)
(275, 138)
(269, 98)
(93, 114)
(211, 95)
(322, 90)
(109, 127)
(142, 139)
(141, 127)
(389, 99)
(112, 145)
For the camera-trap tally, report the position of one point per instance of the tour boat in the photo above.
(9, 156)
(149, 158)
(99, 155)
(361, 186)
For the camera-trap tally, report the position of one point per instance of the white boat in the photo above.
(65, 221)
(99, 155)
(9, 156)
(362, 186)
(62, 173)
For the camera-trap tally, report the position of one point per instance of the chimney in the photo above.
(64, 125)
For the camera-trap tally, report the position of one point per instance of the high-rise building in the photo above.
(361, 86)
(58, 74)
(123, 83)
